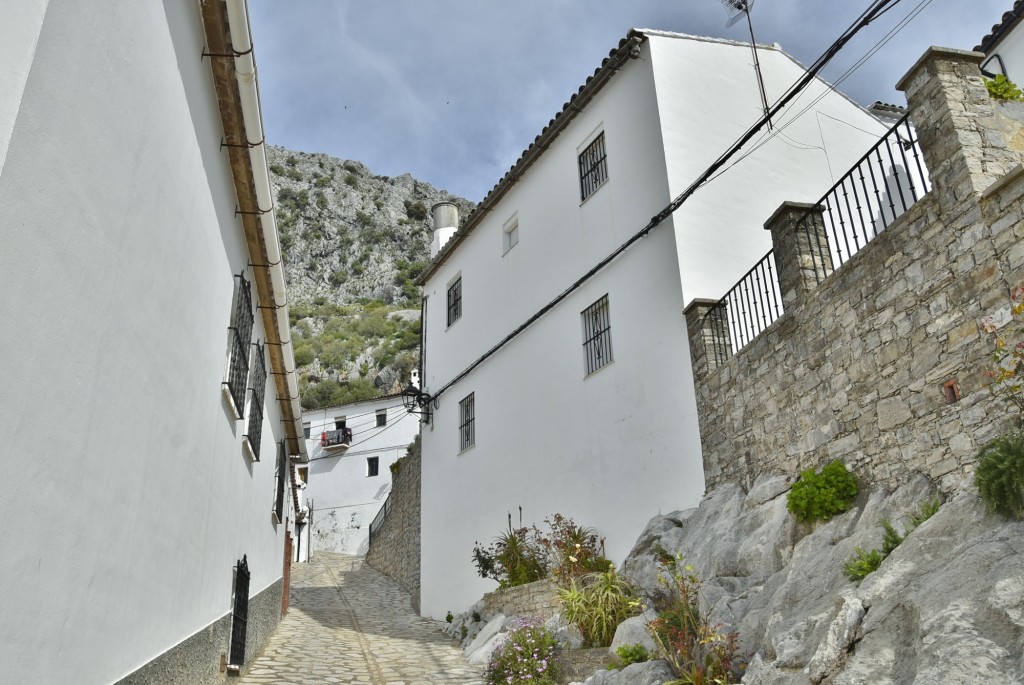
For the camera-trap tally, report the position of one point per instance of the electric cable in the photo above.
(359, 442)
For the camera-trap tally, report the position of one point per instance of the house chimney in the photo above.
(414, 381)
(446, 222)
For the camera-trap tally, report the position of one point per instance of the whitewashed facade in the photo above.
(607, 444)
(130, 493)
(346, 486)
(1004, 47)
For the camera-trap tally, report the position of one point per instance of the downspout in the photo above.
(248, 89)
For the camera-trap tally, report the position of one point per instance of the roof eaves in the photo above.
(612, 63)
(1008, 21)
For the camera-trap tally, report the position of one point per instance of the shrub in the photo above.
(352, 180)
(1002, 88)
(449, 618)
(696, 649)
(926, 511)
(863, 563)
(574, 550)
(632, 654)
(820, 496)
(999, 475)
(597, 603)
(516, 557)
(415, 210)
(1007, 367)
(527, 656)
(891, 538)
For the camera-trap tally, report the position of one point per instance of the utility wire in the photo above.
(875, 10)
(359, 442)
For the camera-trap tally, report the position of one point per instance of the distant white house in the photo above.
(1004, 46)
(149, 399)
(590, 410)
(351, 449)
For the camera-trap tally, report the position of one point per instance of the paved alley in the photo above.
(347, 623)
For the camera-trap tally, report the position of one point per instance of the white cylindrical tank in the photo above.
(446, 222)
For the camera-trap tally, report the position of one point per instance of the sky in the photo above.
(452, 91)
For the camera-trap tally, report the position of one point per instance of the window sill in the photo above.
(226, 393)
(247, 448)
(463, 451)
(597, 371)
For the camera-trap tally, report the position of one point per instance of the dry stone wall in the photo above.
(538, 599)
(395, 548)
(855, 368)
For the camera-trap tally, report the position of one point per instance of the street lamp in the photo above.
(416, 402)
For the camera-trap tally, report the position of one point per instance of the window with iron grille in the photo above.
(239, 614)
(597, 336)
(593, 167)
(372, 466)
(239, 339)
(382, 418)
(467, 418)
(280, 475)
(254, 429)
(455, 301)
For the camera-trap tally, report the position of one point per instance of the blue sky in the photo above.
(452, 91)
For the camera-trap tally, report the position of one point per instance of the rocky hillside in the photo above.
(353, 243)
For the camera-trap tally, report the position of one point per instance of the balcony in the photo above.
(336, 440)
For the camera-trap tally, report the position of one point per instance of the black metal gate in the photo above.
(239, 614)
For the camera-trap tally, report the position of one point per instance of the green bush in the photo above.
(1002, 88)
(863, 563)
(415, 210)
(352, 180)
(820, 496)
(999, 475)
(926, 511)
(516, 557)
(597, 603)
(631, 654)
(526, 657)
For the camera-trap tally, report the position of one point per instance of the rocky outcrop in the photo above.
(947, 606)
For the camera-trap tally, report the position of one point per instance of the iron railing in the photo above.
(887, 181)
(239, 613)
(378, 520)
(882, 185)
(254, 431)
(342, 436)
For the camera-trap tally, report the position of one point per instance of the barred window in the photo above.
(467, 417)
(239, 615)
(593, 167)
(597, 336)
(239, 338)
(382, 418)
(280, 475)
(255, 426)
(455, 301)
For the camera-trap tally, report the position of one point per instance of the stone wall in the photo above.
(538, 599)
(855, 368)
(395, 548)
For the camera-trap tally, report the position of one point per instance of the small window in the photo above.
(382, 418)
(593, 167)
(467, 418)
(339, 423)
(304, 474)
(455, 301)
(372, 466)
(239, 341)
(305, 430)
(510, 235)
(597, 336)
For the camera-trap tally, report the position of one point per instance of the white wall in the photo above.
(1011, 49)
(19, 33)
(610, 450)
(129, 498)
(344, 497)
(708, 97)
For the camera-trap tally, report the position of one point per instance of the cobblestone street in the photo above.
(347, 623)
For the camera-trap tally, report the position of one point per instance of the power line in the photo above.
(359, 442)
(875, 10)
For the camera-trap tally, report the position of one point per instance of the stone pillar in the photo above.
(954, 117)
(802, 255)
(707, 324)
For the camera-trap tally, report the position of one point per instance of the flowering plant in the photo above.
(1007, 369)
(527, 656)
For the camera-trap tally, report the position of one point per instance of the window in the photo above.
(372, 466)
(593, 167)
(254, 430)
(239, 615)
(467, 417)
(282, 473)
(455, 301)
(339, 423)
(382, 418)
(304, 474)
(305, 430)
(511, 234)
(239, 339)
(597, 336)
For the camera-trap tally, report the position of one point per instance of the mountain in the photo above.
(353, 243)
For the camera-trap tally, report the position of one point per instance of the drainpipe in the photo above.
(248, 89)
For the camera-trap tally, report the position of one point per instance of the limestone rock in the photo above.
(647, 673)
(633, 631)
(487, 640)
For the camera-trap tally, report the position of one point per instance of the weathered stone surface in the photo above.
(647, 673)
(480, 649)
(947, 606)
(633, 631)
(395, 550)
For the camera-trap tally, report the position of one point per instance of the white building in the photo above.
(1004, 46)
(351, 449)
(142, 314)
(590, 410)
